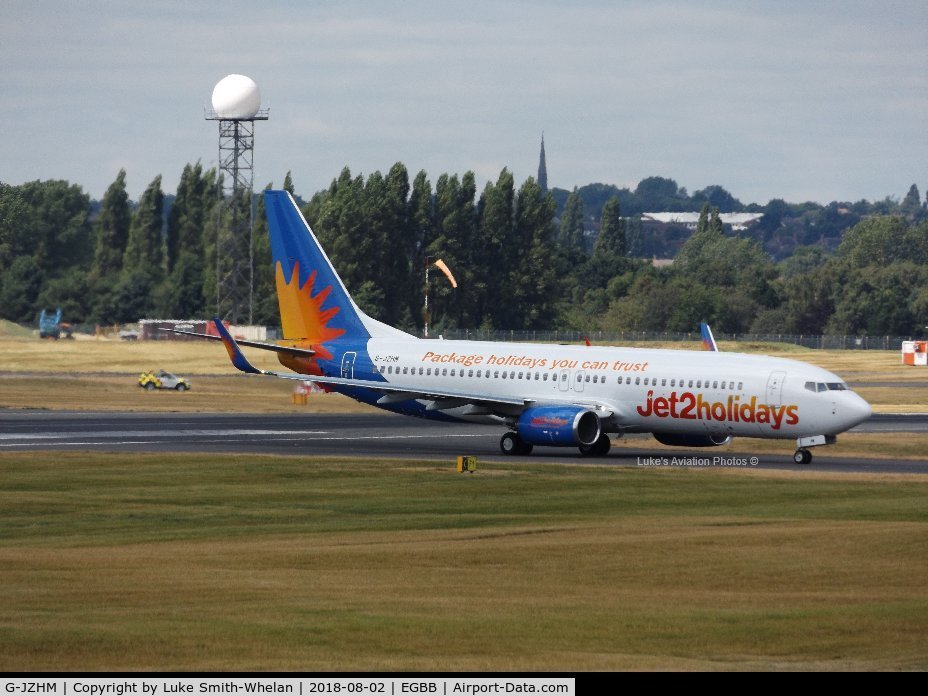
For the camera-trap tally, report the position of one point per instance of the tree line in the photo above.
(522, 257)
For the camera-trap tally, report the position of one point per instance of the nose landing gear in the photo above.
(802, 455)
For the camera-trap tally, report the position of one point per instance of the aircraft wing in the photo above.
(441, 400)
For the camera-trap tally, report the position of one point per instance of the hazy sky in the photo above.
(798, 100)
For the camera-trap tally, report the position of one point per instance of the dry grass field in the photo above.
(119, 562)
(103, 373)
(164, 562)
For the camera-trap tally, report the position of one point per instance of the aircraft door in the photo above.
(775, 388)
(564, 380)
(348, 365)
(578, 381)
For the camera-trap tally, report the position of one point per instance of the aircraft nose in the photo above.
(855, 411)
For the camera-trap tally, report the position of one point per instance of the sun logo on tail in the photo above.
(304, 320)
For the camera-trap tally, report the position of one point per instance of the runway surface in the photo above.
(380, 436)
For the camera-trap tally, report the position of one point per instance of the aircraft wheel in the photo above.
(181, 387)
(510, 444)
(600, 448)
(149, 386)
(802, 456)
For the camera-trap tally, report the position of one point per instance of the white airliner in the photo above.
(552, 395)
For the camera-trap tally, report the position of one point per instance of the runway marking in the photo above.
(46, 439)
(150, 433)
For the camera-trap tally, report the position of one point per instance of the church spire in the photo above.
(542, 167)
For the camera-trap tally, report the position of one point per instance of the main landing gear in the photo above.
(511, 444)
(802, 456)
(600, 448)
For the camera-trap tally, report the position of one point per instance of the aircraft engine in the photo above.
(675, 440)
(558, 425)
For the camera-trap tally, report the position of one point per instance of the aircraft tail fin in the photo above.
(315, 306)
(708, 340)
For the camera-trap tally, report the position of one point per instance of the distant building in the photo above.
(542, 167)
(737, 221)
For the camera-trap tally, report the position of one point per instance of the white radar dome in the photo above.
(236, 97)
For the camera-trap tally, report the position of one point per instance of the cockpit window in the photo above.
(825, 386)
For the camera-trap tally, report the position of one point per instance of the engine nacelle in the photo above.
(676, 440)
(563, 426)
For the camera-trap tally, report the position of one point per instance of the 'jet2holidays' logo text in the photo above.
(693, 406)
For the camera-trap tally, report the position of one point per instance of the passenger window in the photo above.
(470, 373)
(673, 383)
(699, 384)
(495, 374)
(421, 371)
(691, 384)
(637, 380)
(587, 379)
(715, 384)
(544, 377)
(444, 372)
(536, 376)
(520, 375)
(740, 386)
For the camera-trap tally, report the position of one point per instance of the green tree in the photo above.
(144, 247)
(495, 253)
(14, 222)
(19, 290)
(702, 225)
(911, 206)
(142, 261)
(455, 232)
(534, 281)
(422, 227)
(112, 228)
(611, 239)
(882, 240)
(191, 222)
(570, 234)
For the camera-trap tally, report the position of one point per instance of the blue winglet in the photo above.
(708, 340)
(235, 353)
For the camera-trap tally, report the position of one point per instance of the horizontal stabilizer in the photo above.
(287, 350)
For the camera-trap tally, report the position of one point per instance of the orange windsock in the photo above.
(444, 269)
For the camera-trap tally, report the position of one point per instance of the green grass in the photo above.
(191, 562)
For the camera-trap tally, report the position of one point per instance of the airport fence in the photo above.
(623, 337)
(616, 338)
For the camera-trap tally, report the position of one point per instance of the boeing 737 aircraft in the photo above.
(553, 395)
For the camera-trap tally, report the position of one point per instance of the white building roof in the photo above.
(738, 221)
